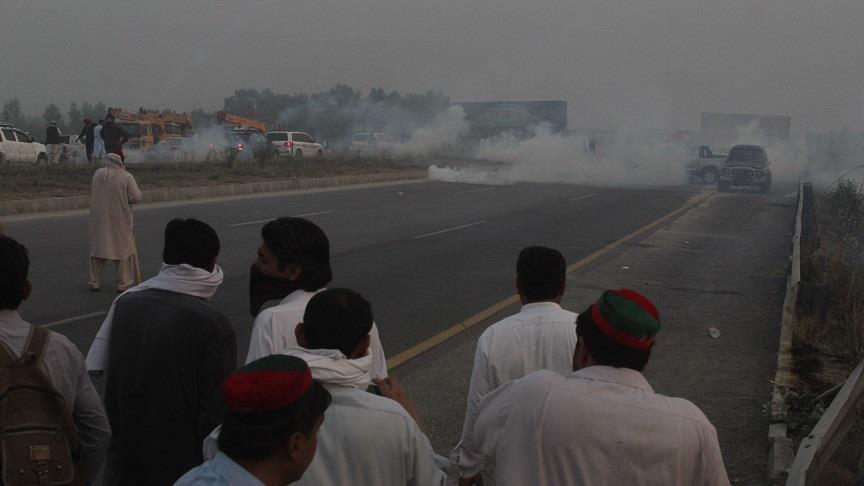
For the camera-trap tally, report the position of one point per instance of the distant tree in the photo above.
(52, 113)
(202, 118)
(75, 117)
(12, 113)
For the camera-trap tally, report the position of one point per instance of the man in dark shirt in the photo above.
(168, 353)
(114, 136)
(87, 136)
(52, 142)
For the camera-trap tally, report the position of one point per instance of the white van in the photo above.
(295, 144)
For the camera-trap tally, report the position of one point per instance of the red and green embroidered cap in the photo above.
(627, 317)
(267, 384)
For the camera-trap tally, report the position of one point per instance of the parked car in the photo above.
(295, 144)
(706, 167)
(17, 146)
(373, 143)
(746, 165)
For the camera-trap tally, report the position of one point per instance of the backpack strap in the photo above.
(6, 357)
(34, 349)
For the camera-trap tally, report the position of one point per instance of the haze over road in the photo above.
(427, 255)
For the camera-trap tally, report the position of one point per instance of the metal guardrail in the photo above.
(829, 432)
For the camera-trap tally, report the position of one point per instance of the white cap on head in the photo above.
(115, 158)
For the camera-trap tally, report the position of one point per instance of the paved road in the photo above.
(723, 265)
(426, 254)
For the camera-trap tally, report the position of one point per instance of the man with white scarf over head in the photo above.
(165, 352)
(365, 439)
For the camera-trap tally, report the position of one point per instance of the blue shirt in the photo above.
(220, 471)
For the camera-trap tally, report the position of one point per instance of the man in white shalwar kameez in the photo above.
(541, 336)
(112, 194)
(366, 439)
(602, 424)
(293, 265)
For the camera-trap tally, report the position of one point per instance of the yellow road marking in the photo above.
(481, 316)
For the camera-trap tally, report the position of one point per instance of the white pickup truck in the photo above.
(17, 146)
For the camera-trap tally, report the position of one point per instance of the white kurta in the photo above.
(542, 336)
(599, 426)
(273, 331)
(98, 143)
(112, 194)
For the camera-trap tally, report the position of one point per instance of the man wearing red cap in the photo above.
(602, 424)
(270, 431)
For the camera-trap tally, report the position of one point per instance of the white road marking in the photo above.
(76, 319)
(235, 225)
(455, 228)
(475, 190)
(586, 196)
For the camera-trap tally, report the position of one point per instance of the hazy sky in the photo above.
(652, 63)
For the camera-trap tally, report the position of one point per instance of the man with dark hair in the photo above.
(165, 352)
(541, 336)
(61, 362)
(602, 424)
(270, 428)
(382, 434)
(293, 265)
(113, 136)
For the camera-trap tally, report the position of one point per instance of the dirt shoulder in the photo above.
(29, 182)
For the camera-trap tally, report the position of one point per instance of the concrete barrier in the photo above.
(781, 453)
(51, 204)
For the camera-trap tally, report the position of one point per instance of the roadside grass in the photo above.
(26, 181)
(825, 351)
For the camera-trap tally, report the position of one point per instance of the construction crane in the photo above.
(229, 119)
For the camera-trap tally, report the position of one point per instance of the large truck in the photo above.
(730, 128)
(520, 118)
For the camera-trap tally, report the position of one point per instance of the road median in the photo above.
(52, 204)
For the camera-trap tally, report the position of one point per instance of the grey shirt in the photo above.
(64, 367)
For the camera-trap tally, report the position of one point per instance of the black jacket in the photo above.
(113, 135)
(52, 135)
(170, 353)
(87, 135)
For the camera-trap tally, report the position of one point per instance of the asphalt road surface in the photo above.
(426, 254)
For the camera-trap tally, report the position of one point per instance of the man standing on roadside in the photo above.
(168, 352)
(113, 136)
(293, 265)
(98, 143)
(52, 142)
(367, 440)
(112, 194)
(602, 424)
(61, 361)
(541, 336)
(87, 135)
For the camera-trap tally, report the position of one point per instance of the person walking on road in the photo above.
(541, 336)
(112, 194)
(270, 429)
(602, 424)
(113, 136)
(87, 135)
(98, 143)
(52, 142)
(165, 352)
(293, 265)
(60, 362)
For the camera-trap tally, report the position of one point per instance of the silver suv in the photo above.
(746, 165)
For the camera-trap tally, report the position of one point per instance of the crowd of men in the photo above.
(555, 397)
(99, 138)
